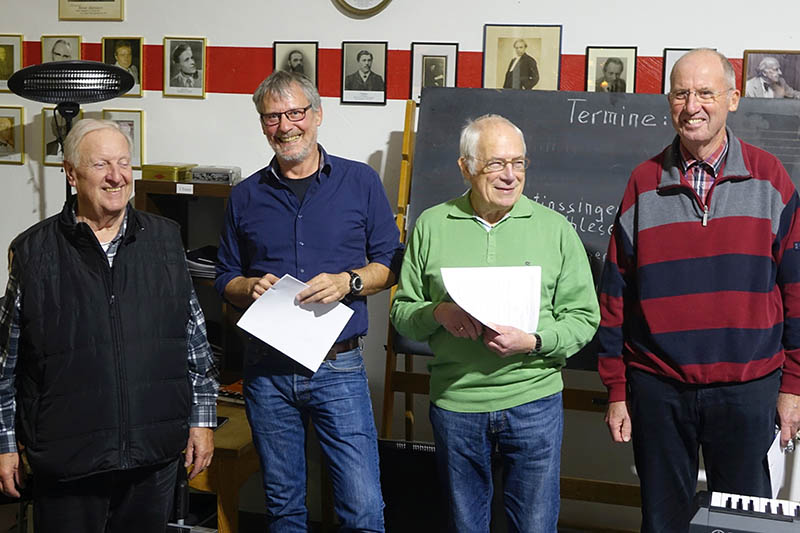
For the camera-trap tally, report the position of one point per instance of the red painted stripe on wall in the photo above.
(239, 70)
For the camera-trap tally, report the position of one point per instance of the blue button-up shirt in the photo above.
(343, 223)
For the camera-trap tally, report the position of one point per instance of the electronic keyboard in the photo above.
(720, 512)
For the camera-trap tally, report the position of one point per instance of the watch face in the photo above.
(363, 7)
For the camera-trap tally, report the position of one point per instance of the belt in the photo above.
(342, 346)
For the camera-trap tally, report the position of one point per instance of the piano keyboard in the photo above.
(728, 513)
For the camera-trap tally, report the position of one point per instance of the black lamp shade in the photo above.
(81, 82)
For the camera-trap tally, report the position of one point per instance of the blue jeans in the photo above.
(280, 398)
(528, 439)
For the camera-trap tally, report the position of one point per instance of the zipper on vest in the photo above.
(124, 459)
(705, 215)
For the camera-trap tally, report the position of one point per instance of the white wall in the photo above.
(223, 129)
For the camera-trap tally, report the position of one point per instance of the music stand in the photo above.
(69, 84)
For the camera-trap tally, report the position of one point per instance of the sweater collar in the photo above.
(462, 208)
(671, 166)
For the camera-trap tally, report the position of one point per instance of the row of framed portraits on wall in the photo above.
(12, 140)
(184, 60)
(514, 57)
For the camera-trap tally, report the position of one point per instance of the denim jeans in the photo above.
(733, 423)
(280, 398)
(528, 440)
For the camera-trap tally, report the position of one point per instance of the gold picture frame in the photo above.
(60, 48)
(185, 67)
(522, 56)
(12, 138)
(131, 121)
(126, 53)
(10, 58)
(91, 10)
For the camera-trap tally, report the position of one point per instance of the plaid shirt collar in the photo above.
(711, 164)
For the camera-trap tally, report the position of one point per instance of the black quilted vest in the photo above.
(102, 380)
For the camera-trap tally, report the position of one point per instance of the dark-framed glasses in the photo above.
(498, 165)
(293, 115)
(705, 96)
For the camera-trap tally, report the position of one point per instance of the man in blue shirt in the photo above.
(326, 221)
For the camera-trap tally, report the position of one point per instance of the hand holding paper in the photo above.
(304, 332)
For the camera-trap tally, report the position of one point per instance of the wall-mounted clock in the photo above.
(362, 7)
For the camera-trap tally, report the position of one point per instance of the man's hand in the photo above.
(199, 450)
(11, 475)
(619, 421)
(325, 288)
(788, 416)
(507, 340)
(457, 321)
(259, 286)
(242, 291)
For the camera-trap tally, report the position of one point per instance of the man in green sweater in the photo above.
(496, 386)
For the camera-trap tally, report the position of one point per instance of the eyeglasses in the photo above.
(293, 115)
(704, 96)
(498, 165)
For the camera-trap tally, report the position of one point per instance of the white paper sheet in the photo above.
(506, 296)
(303, 332)
(777, 463)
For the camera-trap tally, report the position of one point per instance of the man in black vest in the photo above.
(104, 362)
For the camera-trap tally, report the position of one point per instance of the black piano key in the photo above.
(768, 508)
(780, 508)
(728, 503)
(750, 506)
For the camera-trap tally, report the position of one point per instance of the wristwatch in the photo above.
(538, 347)
(356, 283)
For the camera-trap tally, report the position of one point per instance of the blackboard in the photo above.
(582, 147)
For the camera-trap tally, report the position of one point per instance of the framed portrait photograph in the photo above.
(521, 57)
(364, 72)
(184, 67)
(610, 69)
(60, 48)
(433, 65)
(54, 129)
(771, 74)
(10, 58)
(131, 122)
(126, 53)
(300, 57)
(91, 10)
(12, 140)
(671, 55)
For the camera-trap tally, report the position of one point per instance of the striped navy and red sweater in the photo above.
(704, 294)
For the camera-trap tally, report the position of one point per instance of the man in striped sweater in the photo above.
(700, 302)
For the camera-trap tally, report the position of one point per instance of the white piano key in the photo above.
(716, 499)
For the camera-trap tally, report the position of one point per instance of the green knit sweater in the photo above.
(465, 375)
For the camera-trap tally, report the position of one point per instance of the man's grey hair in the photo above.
(471, 137)
(80, 130)
(520, 41)
(727, 68)
(279, 84)
(768, 62)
